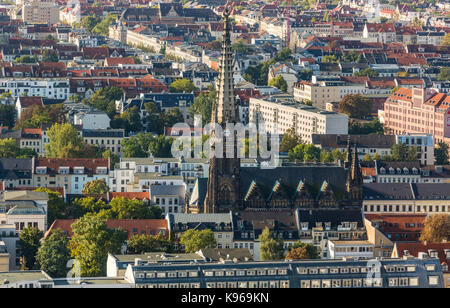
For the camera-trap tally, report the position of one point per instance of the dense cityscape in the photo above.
(224, 144)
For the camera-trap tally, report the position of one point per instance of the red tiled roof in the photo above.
(415, 248)
(117, 61)
(30, 101)
(133, 226)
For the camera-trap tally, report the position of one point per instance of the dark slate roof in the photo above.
(163, 100)
(386, 191)
(105, 133)
(335, 217)
(290, 177)
(363, 141)
(284, 220)
(431, 191)
(12, 169)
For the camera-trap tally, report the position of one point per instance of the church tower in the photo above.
(223, 192)
(354, 183)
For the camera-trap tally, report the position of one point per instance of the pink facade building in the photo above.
(418, 111)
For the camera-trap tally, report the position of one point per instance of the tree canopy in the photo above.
(194, 240)
(355, 106)
(29, 242)
(271, 249)
(441, 153)
(203, 105)
(95, 187)
(437, 229)
(91, 242)
(64, 142)
(279, 82)
(54, 254)
(182, 86)
(140, 244)
(290, 140)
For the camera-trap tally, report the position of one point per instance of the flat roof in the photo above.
(13, 277)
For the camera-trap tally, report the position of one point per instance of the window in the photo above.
(305, 284)
(433, 280)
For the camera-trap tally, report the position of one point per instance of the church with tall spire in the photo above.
(230, 187)
(223, 188)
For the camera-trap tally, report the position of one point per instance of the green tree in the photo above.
(441, 153)
(95, 187)
(241, 48)
(330, 59)
(172, 117)
(326, 157)
(56, 208)
(279, 83)
(104, 100)
(102, 27)
(54, 254)
(124, 208)
(92, 241)
(367, 157)
(194, 240)
(82, 206)
(182, 86)
(161, 147)
(372, 128)
(302, 251)
(437, 229)
(38, 116)
(271, 249)
(290, 140)
(402, 152)
(129, 120)
(367, 72)
(49, 55)
(203, 105)
(140, 244)
(444, 74)
(89, 22)
(9, 148)
(446, 41)
(355, 106)
(29, 242)
(26, 59)
(64, 142)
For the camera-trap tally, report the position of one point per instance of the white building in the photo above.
(92, 119)
(48, 88)
(350, 249)
(278, 117)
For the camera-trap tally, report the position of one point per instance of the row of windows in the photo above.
(406, 208)
(341, 283)
(255, 272)
(334, 270)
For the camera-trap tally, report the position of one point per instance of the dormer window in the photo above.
(433, 253)
(415, 171)
(399, 171)
(41, 170)
(405, 171)
(391, 171)
(79, 170)
(64, 170)
(328, 225)
(102, 170)
(382, 170)
(447, 253)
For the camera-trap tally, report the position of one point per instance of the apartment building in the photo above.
(48, 88)
(72, 174)
(105, 138)
(40, 12)
(220, 224)
(407, 198)
(424, 144)
(390, 273)
(410, 111)
(16, 172)
(279, 116)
